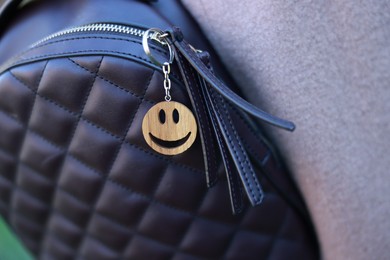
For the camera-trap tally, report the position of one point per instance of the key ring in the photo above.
(159, 36)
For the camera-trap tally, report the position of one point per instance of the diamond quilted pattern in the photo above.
(110, 108)
(134, 135)
(40, 155)
(248, 245)
(254, 219)
(188, 184)
(144, 248)
(211, 246)
(155, 94)
(94, 249)
(130, 77)
(62, 122)
(78, 181)
(30, 74)
(128, 207)
(133, 170)
(34, 184)
(54, 249)
(71, 208)
(28, 206)
(15, 99)
(66, 85)
(174, 228)
(5, 191)
(32, 232)
(7, 165)
(216, 205)
(65, 230)
(12, 133)
(88, 138)
(110, 233)
(70, 175)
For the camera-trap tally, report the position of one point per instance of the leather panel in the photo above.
(78, 181)
(113, 196)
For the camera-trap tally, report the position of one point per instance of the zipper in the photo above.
(120, 29)
(97, 27)
(185, 49)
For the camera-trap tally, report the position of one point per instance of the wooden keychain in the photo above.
(168, 127)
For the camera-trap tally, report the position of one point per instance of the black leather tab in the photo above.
(235, 190)
(185, 49)
(236, 149)
(234, 184)
(210, 106)
(206, 133)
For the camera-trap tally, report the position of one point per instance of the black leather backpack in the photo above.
(81, 178)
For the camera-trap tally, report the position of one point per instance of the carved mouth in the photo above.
(170, 144)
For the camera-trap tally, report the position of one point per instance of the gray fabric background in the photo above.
(326, 66)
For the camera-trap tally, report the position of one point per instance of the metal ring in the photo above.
(145, 45)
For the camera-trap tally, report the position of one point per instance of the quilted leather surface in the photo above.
(77, 180)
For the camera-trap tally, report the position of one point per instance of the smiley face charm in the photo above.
(169, 128)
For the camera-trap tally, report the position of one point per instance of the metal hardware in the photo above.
(96, 27)
(153, 34)
(159, 36)
(194, 49)
(167, 82)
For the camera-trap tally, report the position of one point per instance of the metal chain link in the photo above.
(167, 82)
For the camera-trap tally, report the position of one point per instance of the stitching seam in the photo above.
(101, 129)
(202, 126)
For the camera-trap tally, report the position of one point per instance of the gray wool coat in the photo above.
(326, 66)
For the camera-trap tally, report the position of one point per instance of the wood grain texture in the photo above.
(169, 128)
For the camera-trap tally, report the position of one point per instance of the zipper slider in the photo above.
(158, 36)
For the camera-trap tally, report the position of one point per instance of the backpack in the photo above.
(120, 140)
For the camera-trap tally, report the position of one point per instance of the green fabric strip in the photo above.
(10, 246)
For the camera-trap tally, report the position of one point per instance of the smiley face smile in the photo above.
(169, 128)
(170, 144)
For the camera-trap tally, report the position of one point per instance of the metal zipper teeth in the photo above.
(97, 27)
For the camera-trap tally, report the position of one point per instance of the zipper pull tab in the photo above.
(191, 56)
(239, 170)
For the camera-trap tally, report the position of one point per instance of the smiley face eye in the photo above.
(175, 116)
(161, 116)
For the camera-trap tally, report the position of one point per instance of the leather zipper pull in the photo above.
(209, 97)
(204, 123)
(239, 170)
(232, 175)
(190, 55)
